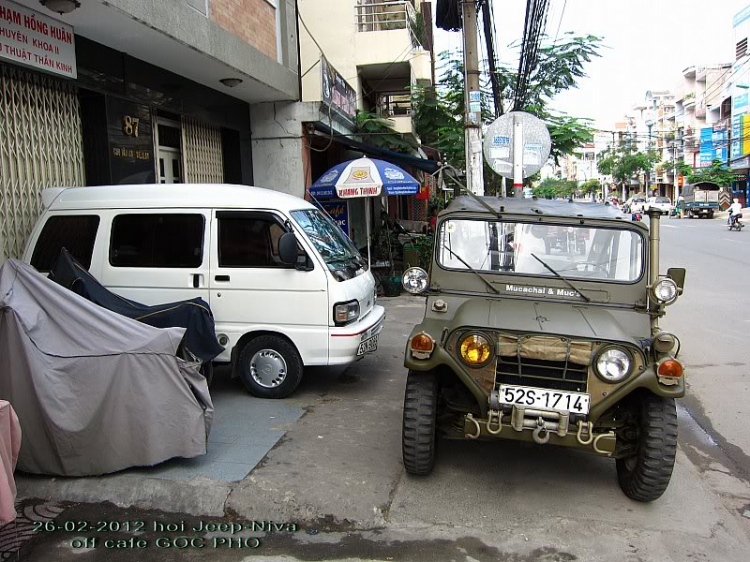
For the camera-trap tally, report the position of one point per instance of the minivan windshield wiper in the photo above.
(474, 271)
(565, 280)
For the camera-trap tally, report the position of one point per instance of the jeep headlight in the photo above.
(665, 291)
(415, 280)
(613, 364)
(475, 350)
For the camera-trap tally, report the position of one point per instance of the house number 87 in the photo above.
(130, 125)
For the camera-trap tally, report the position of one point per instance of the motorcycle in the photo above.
(735, 223)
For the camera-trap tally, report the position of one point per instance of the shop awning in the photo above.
(423, 164)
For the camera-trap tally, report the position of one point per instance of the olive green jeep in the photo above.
(541, 325)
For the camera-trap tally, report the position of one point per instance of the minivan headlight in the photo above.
(345, 312)
(613, 364)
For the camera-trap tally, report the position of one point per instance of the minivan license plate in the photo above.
(545, 399)
(368, 345)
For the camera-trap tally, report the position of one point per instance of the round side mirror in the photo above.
(415, 280)
(288, 248)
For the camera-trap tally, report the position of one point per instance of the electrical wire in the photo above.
(562, 15)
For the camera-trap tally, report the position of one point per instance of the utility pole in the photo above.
(473, 100)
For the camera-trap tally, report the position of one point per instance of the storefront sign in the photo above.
(339, 211)
(131, 150)
(706, 147)
(35, 40)
(337, 93)
(736, 150)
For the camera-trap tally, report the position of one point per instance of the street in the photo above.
(337, 473)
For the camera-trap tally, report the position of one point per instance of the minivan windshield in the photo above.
(329, 240)
(574, 252)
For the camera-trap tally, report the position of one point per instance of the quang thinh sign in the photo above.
(35, 40)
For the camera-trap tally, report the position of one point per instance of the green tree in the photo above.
(625, 164)
(438, 113)
(379, 132)
(589, 187)
(717, 172)
(550, 188)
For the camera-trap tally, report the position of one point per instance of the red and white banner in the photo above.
(32, 39)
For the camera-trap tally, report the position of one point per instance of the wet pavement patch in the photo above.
(123, 535)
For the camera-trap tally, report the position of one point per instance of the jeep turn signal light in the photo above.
(422, 346)
(670, 368)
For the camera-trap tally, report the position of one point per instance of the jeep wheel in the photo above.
(652, 431)
(420, 415)
(270, 367)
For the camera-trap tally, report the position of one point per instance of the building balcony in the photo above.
(386, 36)
(397, 109)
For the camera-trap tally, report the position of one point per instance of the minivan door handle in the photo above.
(222, 278)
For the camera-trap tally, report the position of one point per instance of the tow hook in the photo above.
(476, 435)
(495, 415)
(589, 430)
(540, 434)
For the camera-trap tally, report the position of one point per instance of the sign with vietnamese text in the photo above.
(35, 40)
(337, 93)
(339, 212)
(131, 145)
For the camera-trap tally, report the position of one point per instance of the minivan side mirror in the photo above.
(677, 274)
(288, 248)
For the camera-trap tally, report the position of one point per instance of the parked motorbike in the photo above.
(735, 223)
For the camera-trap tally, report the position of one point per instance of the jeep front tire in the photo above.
(419, 425)
(645, 473)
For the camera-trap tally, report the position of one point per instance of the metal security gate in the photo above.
(41, 146)
(202, 152)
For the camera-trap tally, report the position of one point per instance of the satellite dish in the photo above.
(498, 144)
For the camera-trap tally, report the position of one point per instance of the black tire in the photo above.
(420, 420)
(285, 350)
(645, 475)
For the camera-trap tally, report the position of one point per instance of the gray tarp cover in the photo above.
(95, 392)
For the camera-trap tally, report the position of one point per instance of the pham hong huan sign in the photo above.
(37, 41)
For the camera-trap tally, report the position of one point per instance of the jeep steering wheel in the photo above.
(595, 265)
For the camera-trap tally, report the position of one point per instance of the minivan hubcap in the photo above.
(268, 368)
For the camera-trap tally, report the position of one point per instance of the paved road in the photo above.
(712, 319)
(338, 470)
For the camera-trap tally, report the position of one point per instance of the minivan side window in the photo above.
(157, 240)
(249, 241)
(75, 233)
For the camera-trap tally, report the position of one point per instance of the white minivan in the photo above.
(286, 286)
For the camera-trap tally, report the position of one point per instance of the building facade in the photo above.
(378, 54)
(117, 92)
(739, 86)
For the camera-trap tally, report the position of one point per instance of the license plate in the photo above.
(545, 399)
(368, 345)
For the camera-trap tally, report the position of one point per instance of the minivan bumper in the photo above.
(344, 342)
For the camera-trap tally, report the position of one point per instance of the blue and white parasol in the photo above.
(364, 177)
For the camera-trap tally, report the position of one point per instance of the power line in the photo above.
(562, 15)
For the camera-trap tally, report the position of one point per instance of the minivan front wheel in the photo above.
(270, 367)
(651, 434)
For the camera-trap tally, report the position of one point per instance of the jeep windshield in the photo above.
(572, 251)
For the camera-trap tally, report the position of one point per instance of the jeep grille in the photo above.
(543, 362)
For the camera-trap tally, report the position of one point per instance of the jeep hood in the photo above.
(551, 318)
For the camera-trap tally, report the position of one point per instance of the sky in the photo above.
(648, 44)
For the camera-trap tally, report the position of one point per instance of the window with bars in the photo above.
(741, 50)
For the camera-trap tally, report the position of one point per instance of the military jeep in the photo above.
(542, 325)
